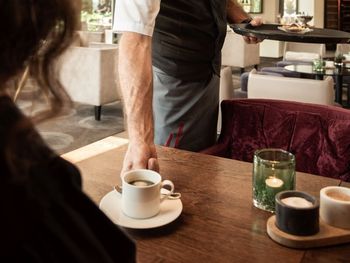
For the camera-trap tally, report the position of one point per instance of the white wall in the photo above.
(269, 15)
(313, 7)
(306, 6)
(319, 13)
(270, 11)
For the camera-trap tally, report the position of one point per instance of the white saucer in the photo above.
(111, 206)
(301, 31)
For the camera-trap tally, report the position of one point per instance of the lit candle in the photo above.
(274, 182)
(297, 202)
(273, 186)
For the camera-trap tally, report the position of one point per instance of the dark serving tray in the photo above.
(271, 31)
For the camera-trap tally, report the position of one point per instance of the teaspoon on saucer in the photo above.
(172, 196)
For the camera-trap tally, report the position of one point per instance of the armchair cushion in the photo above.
(90, 73)
(284, 63)
(280, 70)
(244, 77)
(300, 56)
(237, 53)
(294, 89)
(303, 51)
(318, 135)
(263, 127)
(324, 143)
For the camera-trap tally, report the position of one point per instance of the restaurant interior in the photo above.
(98, 110)
(283, 132)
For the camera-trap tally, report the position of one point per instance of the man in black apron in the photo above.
(175, 102)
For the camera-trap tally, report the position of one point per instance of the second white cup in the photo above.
(335, 206)
(141, 195)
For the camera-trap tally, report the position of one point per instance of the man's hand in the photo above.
(140, 155)
(256, 21)
(135, 76)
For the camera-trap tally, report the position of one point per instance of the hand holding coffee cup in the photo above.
(141, 197)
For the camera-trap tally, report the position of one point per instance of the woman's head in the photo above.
(34, 33)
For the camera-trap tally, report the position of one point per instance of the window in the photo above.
(96, 15)
(252, 6)
(288, 7)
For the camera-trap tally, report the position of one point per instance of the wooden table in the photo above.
(218, 222)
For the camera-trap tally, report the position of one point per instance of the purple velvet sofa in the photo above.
(318, 135)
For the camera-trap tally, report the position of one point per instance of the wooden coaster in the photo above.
(328, 235)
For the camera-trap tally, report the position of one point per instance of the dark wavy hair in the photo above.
(34, 34)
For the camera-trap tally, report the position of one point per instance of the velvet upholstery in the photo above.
(318, 135)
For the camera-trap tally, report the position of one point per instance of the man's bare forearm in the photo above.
(235, 12)
(135, 76)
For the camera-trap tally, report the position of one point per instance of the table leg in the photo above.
(319, 76)
(338, 88)
(348, 96)
(21, 83)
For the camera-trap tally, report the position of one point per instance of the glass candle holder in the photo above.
(338, 60)
(273, 172)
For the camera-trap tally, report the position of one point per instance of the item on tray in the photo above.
(304, 19)
(294, 28)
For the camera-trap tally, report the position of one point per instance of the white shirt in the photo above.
(136, 16)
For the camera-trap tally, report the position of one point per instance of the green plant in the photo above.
(83, 16)
(95, 20)
(339, 57)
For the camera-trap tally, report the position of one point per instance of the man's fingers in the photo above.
(153, 164)
(246, 39)
(256, 21)
(251, 40)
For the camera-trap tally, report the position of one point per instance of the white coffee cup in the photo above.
(335, 206)
(141, 195)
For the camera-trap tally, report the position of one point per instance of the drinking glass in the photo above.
(318, 64)
(304, 18)
(273, 172)
(338, 60)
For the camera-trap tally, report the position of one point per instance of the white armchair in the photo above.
(292, 89)
(87, 37)
(343, 48)
(306, 52)
(226, 90)
(89, 74)
(237, 53)
(301, 53)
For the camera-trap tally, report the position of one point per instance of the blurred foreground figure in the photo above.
(45, 216)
